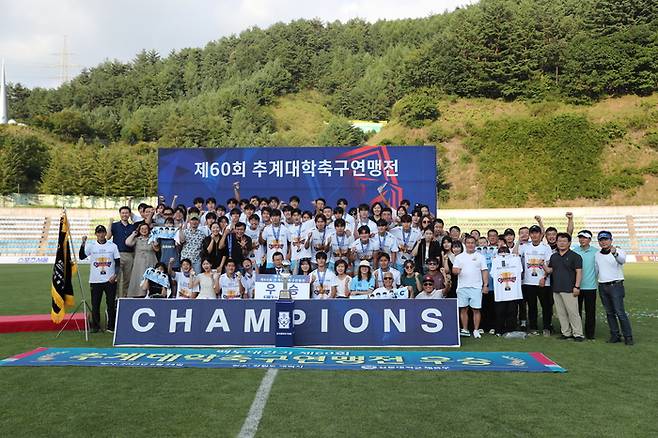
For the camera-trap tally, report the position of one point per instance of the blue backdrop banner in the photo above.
(164, 322)
(354, 173)
(286, 358)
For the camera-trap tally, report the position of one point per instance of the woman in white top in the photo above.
(230, 283)
(341, 286)
(208, 284)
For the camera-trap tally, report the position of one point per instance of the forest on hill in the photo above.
(546, 63)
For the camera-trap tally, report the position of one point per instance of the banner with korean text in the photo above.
(358, 174)
(339, 323)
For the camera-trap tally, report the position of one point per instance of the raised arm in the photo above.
(570, 226)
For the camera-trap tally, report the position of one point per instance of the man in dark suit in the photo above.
(277, 259)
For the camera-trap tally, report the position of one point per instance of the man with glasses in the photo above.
(388, 289)
(609, 266)
(428, 291)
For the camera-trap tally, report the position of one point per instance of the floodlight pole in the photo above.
(83, 301)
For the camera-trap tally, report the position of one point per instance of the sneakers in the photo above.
(613, 340)
(492, 332)
(534, 333)
(629, 341)
(578, 338)
(109, 331)
(524, 323)
(564, 338)
(547, 333)
(465, 333)
(476, 334)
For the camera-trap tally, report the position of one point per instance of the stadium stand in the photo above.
(637, 234)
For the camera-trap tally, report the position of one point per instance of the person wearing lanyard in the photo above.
(406, 239)
(317, 237)
(387, 244)
(275, 237)
(609, 266)
(339, 243)
(322, 278)
(362, 247)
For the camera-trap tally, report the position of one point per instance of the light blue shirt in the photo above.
(362, 285)
(588, 281)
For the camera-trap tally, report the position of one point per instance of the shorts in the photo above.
(469, 297)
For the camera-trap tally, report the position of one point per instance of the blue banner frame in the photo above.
(354, 173)
(335, 323)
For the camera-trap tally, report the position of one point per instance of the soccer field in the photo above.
(609, 390)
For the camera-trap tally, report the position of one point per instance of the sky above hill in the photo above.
(34, 33)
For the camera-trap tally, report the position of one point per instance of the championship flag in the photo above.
(61, 289)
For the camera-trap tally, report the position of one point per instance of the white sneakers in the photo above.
(476, 334)
(465, 333)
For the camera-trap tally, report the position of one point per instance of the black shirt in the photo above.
(563, 277)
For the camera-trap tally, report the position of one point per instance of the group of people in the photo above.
(211, 251)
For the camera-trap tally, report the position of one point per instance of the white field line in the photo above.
(250, 425)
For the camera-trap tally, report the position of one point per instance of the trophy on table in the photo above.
(285, 275)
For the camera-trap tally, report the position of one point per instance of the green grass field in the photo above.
(609, 390)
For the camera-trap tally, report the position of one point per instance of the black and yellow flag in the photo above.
(61, 289)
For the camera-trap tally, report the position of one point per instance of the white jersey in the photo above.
(506, 272)
(276, 240)
(406, 241)
(101, 260)
(358, 223)
(230, 287)
(183, 284)
(364, 251)
(257, 251)
(342, 244)
(321, 283)
(318, 238)
(386, 243)
(298, 236)
(534, 258)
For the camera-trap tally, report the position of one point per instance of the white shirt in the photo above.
(471, 266)
(534, 258)
(369, 223)
(318, 238)
(386, 243)
(379, 276)
(382, 293)
(339, 243)
(183, 283)
(342, 286)
(249, 284)
(328, 278)
(506, 273)
(436, 293)
(298, 235)
(277, 240)
(101, 260)
(230, 287)
(609, 267)
(363, 250)
(410, 238)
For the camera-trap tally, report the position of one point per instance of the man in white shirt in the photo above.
(536, 283)
(339, 242)
(322, 278)
(385, 267)
(472, 282)
(428, 291)
(298, 232)
(609, 268)
(406, 239)
(275, 237)
(363, 220)
(385, 242)
(104, 262)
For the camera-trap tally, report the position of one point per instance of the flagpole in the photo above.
(83, 301)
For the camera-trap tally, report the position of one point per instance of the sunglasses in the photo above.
(388, 278)
(428, 283)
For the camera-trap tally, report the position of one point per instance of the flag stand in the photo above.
(83, 301)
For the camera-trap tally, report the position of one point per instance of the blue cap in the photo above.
(605, 235)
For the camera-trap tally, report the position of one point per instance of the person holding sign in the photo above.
(187, 285)
(506, 270)
(535, 254)
(322, 278)
(156, 281)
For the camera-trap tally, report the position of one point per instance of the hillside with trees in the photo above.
(500, 87)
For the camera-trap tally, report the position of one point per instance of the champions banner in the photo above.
(286, 358)
(354, 173)
(354, 323)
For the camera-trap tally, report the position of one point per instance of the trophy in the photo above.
(285, 275)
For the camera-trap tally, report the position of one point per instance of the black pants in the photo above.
(505, 316)
(488, 312)
(545, 295)
(588, 298)
(97, 290)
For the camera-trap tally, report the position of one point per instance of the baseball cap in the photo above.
(194, 216)
(535, 229)
(428, 278)
(605, 235)
(100, 229)
(585, 233)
